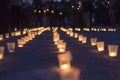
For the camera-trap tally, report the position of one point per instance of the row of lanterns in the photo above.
(12, 34)
(99, 29)
(112, 49)
(31, 35)
(64, 57)
(93, 29)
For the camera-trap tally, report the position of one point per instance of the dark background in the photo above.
(75, 13)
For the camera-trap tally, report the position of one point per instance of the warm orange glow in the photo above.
(64, 66)
(12, 34)
(112, 49)
(1, 37)
(11, 46)
(61, 46)
(76, 35)
(86, 29)
(64, 61)
(1, 52)
(71, 34)
(112, 54)
(93, 41)
(61, 50)
(20, 43)
(7, 35)
(70, 74)
(100, 46)
(84, 39)
(1, 56)
(80, 37)
(18, 33)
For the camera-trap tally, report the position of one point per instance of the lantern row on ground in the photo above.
(61, 45)
(112, 49)
(11, 45)
(64, 57)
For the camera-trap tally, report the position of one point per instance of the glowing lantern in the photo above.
(104, 29)
(7, 35)
(62, 47)
(100, 46)
(84, 39)
(12, 34)
(112, 49)
(68, 32)
(114, 29)
(18, 33)
(76, 35)
(1, 52)
(11, 46)
(24, 32)
(80, 37)
(64, 61)
(93, 41)
(20, 43)
(24, 41)
(71, 34)
(26, 38)
(59, 42)
(1, 37)
(72, 74)
(56, 37)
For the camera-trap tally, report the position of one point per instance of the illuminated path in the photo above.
(38, 60)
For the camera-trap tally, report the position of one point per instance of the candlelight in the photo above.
(62, 47)
(1, 52)
(93, 41)
(20, 43)
(80, 37)
(100, 46)
(1, 37)
(12, 34)
(112, 49)
(76, 35)
(71, 34)
(84, 39)
(64, 61)
(11, 46)
(7, 35)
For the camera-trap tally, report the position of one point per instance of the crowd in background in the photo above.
(86, 14)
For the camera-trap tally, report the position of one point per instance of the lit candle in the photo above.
(84, 39)
(64, 61)
(93, 41)
(20, 43)
(11, 46)
(100, 46)
(1, 52)
(1, 37)
(112, 49)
